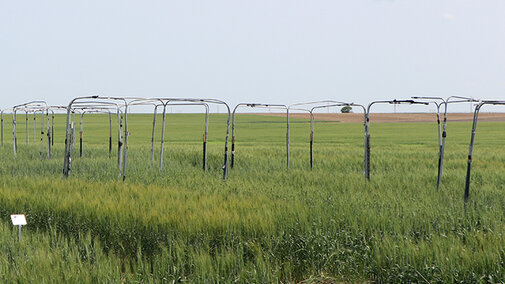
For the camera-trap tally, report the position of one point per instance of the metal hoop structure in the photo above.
(367, 127)
(442, 134)
(50, 127)
(165, 103)
(313, 106)
(90, 103)
(2, 124)
(97, 110)
(205, 132)
(258, 105)
(30, 107)
(472, 140)
(331, 104)
(123, 103)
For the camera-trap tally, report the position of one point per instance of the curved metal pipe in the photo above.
(258, 105)
(335, 104)
(79, 101)
(27, 108)
(206, 127)
(367, 128)
(472, 141)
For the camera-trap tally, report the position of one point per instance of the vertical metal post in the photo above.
(34, 127)
(67, 160)
(287, 138)
(2, 114)
(110, 135)
(441, 140)
(163, 135)
(225, 166)
(73, 129)
(311, 138)
(48, 127)
(153, 133)
(126, 134)
(205, 137)
(120, 141)
(470, 152)
(41, 133)
(19, 233)
(14, 138)
(233, 138)
(80, 135)
(367, 144)
(52, 130)
(26, 122)
(442, 148)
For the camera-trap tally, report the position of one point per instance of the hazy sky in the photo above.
(251, 51)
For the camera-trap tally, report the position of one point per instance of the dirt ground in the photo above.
(394, 117)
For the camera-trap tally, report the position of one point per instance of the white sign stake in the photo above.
(18, 220)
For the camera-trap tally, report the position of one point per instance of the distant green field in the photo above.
(263, 224)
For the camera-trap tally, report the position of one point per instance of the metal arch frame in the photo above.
(121, 105)
(472, 140)
(442, 134)
(124, 103)
(329, 103)
(50, 127)
(87, 110)
(82, 107)
(165, 102)
(335, 104)
(258, 105)
(156, 102)
(104, 105)
(41, 127)
(155, 113)
(33, 106)
(52, 109)
(2, 124)
(293, 107)
(367, 127)
(217, 102)
(206, 128)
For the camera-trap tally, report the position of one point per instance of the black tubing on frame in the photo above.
(52, 132)
(119, 145)
(80, 146)
(232, 152)
(204, 152)
(204, 155)
(110, 146)
(49, 144)
(467, 183)
(225, 162)
(368, 159)
(41, 142)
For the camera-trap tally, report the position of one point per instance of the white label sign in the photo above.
(18, 219)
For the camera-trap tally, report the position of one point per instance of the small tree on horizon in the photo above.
(346, 109)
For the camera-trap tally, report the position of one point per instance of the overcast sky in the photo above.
(251, 51)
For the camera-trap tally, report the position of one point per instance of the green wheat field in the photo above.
(264, 224)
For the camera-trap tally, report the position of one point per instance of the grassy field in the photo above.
(264, 224)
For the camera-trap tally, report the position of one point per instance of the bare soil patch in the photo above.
(394, 117)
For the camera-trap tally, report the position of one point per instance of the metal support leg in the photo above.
(162, 137)
(470, 152)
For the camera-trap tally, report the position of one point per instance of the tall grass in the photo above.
(267, 224)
